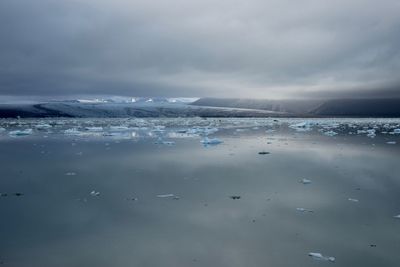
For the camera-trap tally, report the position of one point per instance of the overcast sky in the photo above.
(251, 48)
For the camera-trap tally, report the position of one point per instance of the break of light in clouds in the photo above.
(268, 49)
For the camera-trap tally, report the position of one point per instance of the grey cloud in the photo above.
(198, 48)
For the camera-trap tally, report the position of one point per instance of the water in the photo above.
(58, 222)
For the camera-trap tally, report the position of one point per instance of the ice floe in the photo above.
(210, 141)
(305, 181)
(21, 132)
(319, 256)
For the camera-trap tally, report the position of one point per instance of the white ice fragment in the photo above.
(119, 128)
(21, 132)
(396, 131)
(166, 195)
(94, 129)
(43, 126)
(70, 173)
(397, 216)
(319, 256)
(303, 210)
(391, 142)
(305, 181)
(72, 131)
(302, 126)
(353, 200)
(2, 129)
(94, 193)
(330, 133)
(210, 141)
(160, 141)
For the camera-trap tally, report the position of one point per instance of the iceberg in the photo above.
(43, 126)
(72, 131)
(21, 132)
(353, 200)
(330, 133)
(305, 181)
(319, 256)
(94, 129)
(210, 141)
(165, 195)
(119, 128)
(302, 126)
(303, 210)
(94, 193)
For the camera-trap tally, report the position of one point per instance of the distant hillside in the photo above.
(359, 108)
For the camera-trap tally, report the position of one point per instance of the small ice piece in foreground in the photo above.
(396, 131)
(160, 141)
(353, 200)
(72, 131)
(70, 173)
(319, 256)
(303, 210)
(210, 141)
(21, 132)
(165, 195)
(43, 126)
(397, 216)
(119, 128)
(94, 129)
(305, 181)
(330, 133)
(391, 142)
(2, 129)
(94, 193)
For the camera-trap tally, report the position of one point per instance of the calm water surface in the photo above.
(58, 222)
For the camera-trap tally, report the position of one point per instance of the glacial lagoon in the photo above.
(200, 192)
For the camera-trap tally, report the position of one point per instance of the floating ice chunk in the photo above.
(391, 142)
(94, 193)
(72, 131)
(353, 200)
(303, 210)
(165, 195)
(43, 126)
(330, 133)
(305, 181)
(302, 126)
(94, 129)
(397, 216)
(160, 141)
(70, 173)
(21, 132)
(202, 131)
(371, 133)
(119, 128)
(319, 256)
(210, 141)
(396, 131)
(2, 129)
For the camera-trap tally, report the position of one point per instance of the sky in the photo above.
(251, 49)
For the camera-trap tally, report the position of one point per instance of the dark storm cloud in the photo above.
(199, 48)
